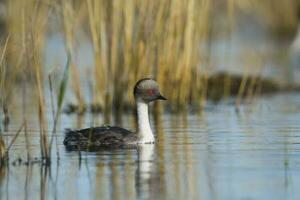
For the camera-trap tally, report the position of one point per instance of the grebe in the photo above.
(294, 57)
(145, 91)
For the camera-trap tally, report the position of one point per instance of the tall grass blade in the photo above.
(60, 98)
(63, 85)
(2, 150)
(14, 138)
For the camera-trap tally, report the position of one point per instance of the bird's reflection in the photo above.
(144, 169)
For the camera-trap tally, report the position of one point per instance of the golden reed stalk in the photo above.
(132, 39)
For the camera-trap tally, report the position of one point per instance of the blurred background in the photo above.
(230, 70)
(195, 49)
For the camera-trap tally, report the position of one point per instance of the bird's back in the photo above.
(104, 136)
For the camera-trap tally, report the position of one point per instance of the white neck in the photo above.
(296, 42)
(145, 134)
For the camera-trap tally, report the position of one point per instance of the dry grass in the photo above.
(131, 39)
(2, 150)
(135, 39)
(26, 24)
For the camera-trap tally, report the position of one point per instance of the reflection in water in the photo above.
(27, 182)
(2, 180)
(144, 169)
(221, 154)
(188, 160)
(43, 181)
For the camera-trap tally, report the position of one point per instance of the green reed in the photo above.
(60, 98)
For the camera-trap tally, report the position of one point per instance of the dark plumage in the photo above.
(100, 136)
(145, 91)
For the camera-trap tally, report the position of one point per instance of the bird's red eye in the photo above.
(150, 92)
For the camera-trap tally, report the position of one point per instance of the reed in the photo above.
(4, 85)
(60, 98)
(131, 40)
(41, 115)
(35, 16)
(70, 23)
(2, 151)
(14, 138)
(3, 102)
(242, 88)
(135, 39)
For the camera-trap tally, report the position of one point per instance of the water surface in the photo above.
(216, 154)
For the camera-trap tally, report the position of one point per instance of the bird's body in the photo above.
(145, 91)
(100, 136)
(293, 70)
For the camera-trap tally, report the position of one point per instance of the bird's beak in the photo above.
(161, 97)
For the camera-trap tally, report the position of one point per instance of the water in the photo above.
(218, 154)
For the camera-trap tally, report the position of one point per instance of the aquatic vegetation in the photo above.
(2, 151)
(173, 42)
(130, 40)
(60, 98)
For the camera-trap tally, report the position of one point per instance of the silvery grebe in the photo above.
(145, 91)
